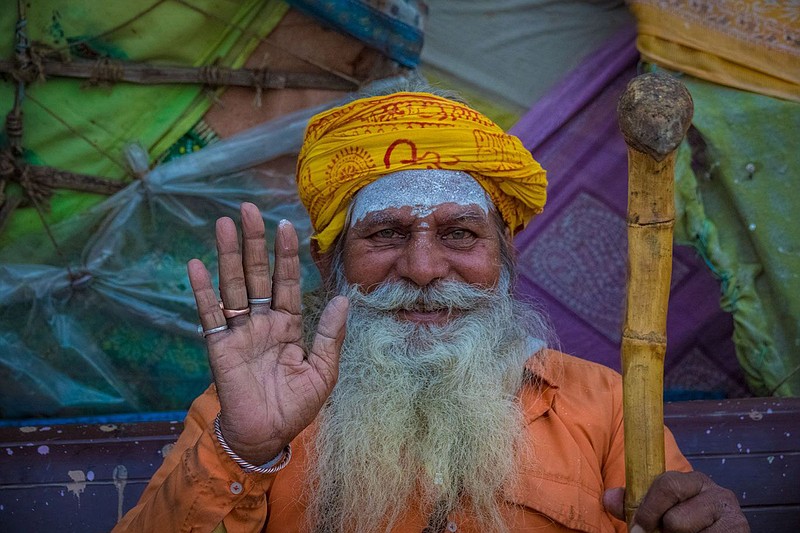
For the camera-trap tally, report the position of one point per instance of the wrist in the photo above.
(271, 466)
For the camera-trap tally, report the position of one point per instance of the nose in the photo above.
(423, 260)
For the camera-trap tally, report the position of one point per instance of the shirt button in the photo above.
(452, 527)
(236, 487)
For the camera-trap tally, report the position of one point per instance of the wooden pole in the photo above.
(654, 114)
(108, 71)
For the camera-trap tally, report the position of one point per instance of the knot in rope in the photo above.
(14, 127)
(7, 165)
(106, 70)
(27, 63)
(212, 75)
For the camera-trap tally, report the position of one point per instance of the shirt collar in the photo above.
(544, 375)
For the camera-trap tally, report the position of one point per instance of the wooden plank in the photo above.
(779, 519)
(756, 479)
(46, 454)
(751, 446)
(745, 425)
(77, 477)
(55, 508)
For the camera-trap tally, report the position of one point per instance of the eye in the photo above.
(458, 234)
(387, 233)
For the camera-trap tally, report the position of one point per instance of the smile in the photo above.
(421, 316)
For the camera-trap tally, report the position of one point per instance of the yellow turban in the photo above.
(351, 146)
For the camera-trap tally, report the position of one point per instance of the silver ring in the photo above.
(259, 301)
(206, 332)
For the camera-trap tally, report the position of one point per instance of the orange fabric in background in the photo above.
(351, 146)
(747, 44)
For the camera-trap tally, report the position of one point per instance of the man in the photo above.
(426, 400)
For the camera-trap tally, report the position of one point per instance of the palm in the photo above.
(270, 387)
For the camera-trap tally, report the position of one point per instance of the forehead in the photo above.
(408, 216)
(419, 193)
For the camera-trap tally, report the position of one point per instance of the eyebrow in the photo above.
(472, 216)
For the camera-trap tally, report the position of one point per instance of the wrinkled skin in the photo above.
(679, 502)
(271, 386)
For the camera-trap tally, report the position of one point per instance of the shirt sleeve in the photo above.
(198, 486)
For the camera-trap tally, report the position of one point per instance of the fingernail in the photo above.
(636, 528)
(283, 222)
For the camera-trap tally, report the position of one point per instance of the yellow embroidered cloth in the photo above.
(351, 146)
(747, 44)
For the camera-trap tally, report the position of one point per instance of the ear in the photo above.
(323, 261)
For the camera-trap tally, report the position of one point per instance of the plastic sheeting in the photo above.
(107, 322)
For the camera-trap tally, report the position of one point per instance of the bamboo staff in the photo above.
(654, 114)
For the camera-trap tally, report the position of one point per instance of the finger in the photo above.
(668, 490)
(327, 345)
(695, 514)
(732, 519)
(207, 307)
(254, 253)
(713, 510)
(286, 278)
(231, 274)
(614, 502)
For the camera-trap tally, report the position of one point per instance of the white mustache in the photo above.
(442, 295)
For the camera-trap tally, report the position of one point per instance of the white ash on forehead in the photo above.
(422, 190)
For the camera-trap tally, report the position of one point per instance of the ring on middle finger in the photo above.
(230, 313)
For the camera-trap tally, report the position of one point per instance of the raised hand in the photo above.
(270, 385)
(682, 502)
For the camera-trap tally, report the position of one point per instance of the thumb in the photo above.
(328, 341)
(614, 502)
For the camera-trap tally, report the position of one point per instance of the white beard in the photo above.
(423, 416)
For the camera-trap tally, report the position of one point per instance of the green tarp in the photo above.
(738, 193)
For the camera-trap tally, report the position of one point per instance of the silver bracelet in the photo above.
(276, 465)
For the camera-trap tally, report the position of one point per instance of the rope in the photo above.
(27, 62)
(107, 71)
(14, 125)
(34, 191)
(213, 76)
(259, 75)
(7, 165)
(23, 63)
(14, 130)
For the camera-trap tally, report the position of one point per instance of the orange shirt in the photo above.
(574, 420)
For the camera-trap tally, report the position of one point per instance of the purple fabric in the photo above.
(573, 256)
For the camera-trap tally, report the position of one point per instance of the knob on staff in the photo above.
(654, 114)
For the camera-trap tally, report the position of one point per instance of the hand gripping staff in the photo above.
(655, 112)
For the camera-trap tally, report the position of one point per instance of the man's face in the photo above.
(447, 241)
